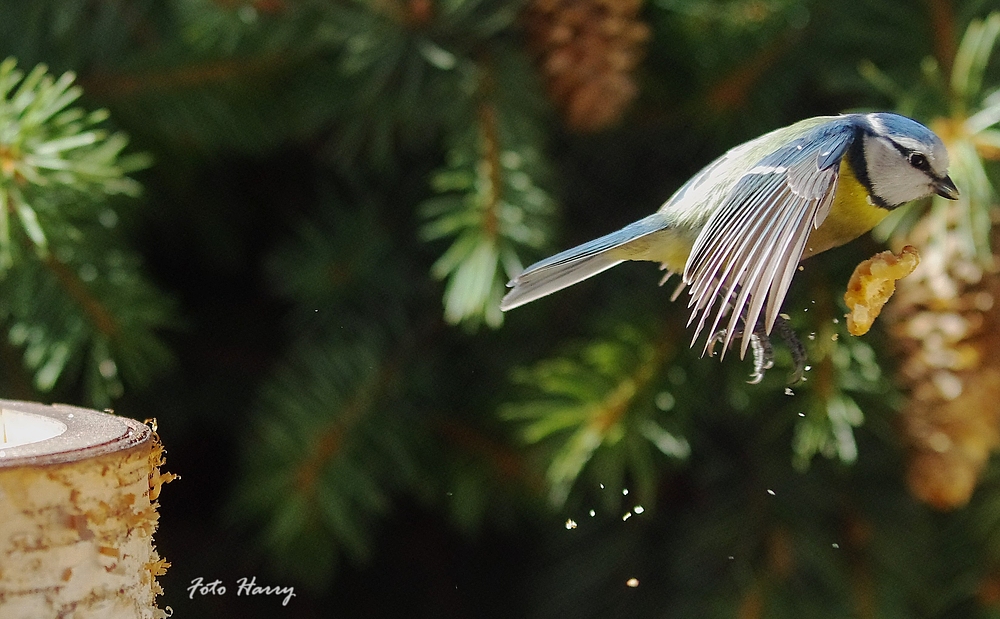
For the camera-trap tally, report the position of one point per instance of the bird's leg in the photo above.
(760, 344)
(763, 353)
(795, 347)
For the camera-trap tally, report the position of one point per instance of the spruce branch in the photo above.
(844, 374)
(52, 156)
(72, 297)
(828, 412)
(942, 19)
(491, 204)
(86, 309)
(341, 272)
(327, 454)
(597, 408)
(331, 443)
(732, 90)
(411, 66)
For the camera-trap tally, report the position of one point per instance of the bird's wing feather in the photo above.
(749, 249)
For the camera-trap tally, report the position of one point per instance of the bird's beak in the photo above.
(945, 187)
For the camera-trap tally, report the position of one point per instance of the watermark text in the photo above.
(244, 587)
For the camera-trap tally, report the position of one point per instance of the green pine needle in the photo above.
(492, 207)
(87, 312)
(52, 156)
(74, 303)
(826, 408)
(597, 408)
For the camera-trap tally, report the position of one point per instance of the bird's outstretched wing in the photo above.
(750, 247)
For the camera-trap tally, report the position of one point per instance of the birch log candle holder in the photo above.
(78, 492)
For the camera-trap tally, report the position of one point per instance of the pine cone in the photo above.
(947, 322)
(587, 50)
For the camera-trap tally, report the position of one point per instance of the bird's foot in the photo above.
(760, 344)
(720, 336)
(799, 357)
(763, 354)
(763, 351)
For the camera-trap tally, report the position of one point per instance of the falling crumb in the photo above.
(632, 582)
(602, 486)
(638, 509)
(836, 545)
(624, 491)
(802, 414)
(570, 523)
(834, 336)
(771, 492)
(626, 516)
(592, 513)
(788, 391)
(731, 557)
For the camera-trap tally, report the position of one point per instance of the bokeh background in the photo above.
(294, 260)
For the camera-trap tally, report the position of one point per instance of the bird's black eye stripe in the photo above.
(919, 161)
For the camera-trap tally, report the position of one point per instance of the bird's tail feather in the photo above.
(576, 264)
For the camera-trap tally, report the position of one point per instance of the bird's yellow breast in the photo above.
(852, 214)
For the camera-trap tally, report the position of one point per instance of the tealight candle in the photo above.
(19, 428)
(78, 492)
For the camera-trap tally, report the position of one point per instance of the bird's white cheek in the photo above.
(893, 179)
(900, 184)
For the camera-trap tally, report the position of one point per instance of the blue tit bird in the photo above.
(737, 230)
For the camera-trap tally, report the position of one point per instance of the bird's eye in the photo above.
(919, 161)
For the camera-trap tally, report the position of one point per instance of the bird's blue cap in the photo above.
(894, 124)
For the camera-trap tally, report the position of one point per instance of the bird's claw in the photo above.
(720, 336)
(763, 351)
(760, 344)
